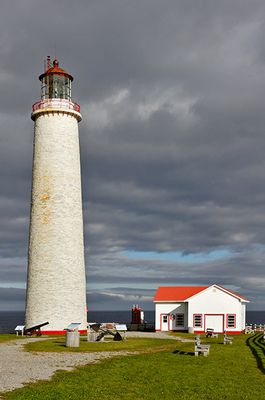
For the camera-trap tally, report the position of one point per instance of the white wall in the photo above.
(212, 301)
(56, 287)
(215, 301)
(168, 308)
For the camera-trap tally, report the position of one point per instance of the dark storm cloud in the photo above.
(172, 137)
(11, 299)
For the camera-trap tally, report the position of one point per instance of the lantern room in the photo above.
(55, 82)
(56, 94)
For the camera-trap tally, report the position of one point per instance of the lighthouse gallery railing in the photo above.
(56, 103)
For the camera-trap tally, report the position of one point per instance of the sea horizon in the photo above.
(10, 319)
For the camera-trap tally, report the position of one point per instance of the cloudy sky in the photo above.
(172, 94)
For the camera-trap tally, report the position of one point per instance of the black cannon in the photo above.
(35, 330)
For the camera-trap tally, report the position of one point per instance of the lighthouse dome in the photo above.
(55, 70)
(55, 82)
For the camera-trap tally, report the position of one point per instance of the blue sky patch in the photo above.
(178, 256)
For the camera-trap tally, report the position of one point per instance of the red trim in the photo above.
(235, 294)
(228, 332)
(197, 315)
(168, 321)
(230, 315)
(214, 315)
(63, 332)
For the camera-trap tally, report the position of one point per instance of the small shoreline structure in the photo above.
(252, 328)
(9, 320)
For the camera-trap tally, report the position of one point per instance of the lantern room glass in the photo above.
(55, 86)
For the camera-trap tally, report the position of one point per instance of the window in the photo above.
(179, 319)
(231, 321)
(197, 320)
(165, 319)
(67, 88)
(56, 87)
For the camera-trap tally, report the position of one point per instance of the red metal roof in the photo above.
(182, 293)
(177, 293)
(55, 69)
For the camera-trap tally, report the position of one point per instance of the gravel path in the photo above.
(19, 367)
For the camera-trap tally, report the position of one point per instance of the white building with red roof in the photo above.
(196, 308)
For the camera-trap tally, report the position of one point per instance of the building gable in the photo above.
(185, 293)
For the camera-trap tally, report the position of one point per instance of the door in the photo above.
(214, 321)
(164, 322)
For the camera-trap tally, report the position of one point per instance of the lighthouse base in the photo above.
(63, 332)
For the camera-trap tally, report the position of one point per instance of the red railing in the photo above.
(56, 103)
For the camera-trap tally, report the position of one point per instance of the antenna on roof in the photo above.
(48, 62)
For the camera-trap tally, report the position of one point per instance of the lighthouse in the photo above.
(56, 284)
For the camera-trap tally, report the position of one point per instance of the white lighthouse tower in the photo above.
(56, 285)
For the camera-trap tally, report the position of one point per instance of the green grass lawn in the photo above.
(9, 336)
(234, 372)
(58, 345)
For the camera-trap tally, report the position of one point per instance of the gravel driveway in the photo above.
(19, 367)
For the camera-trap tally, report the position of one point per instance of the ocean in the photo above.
(10, 319)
